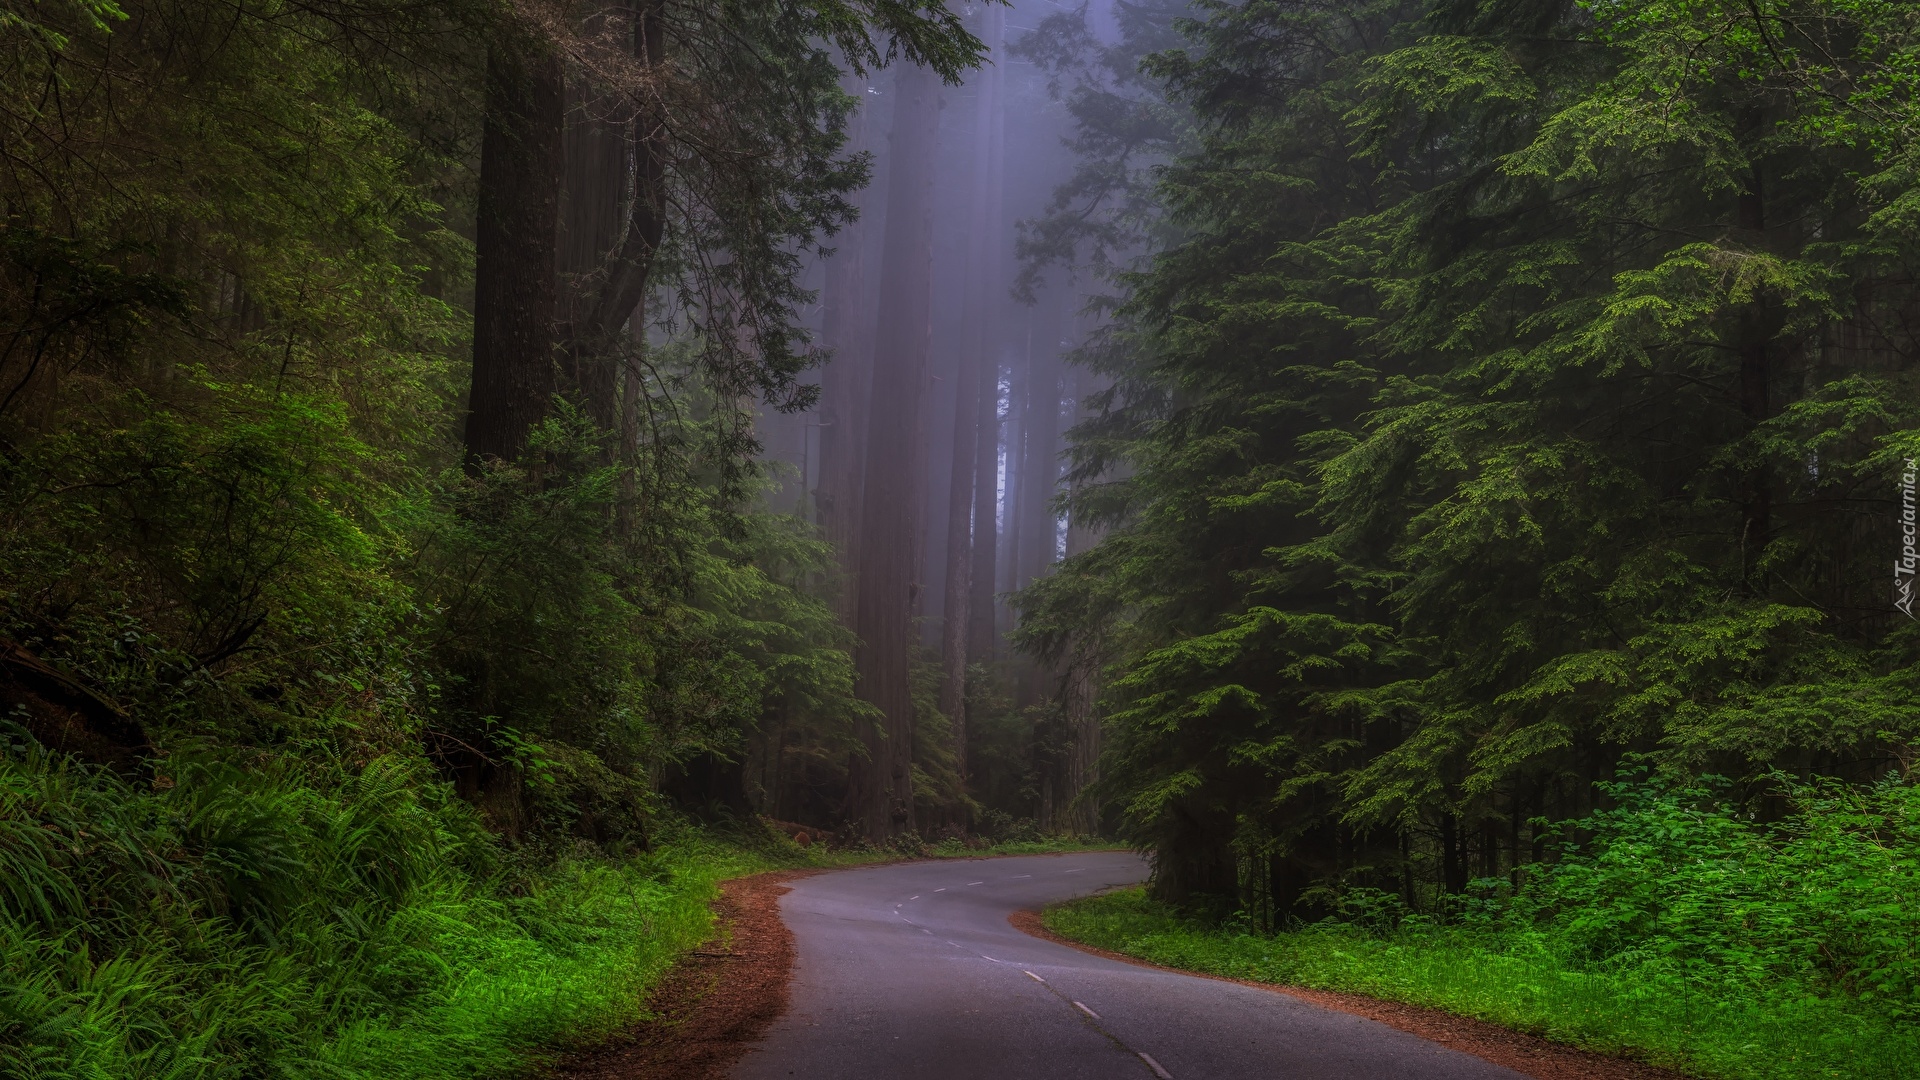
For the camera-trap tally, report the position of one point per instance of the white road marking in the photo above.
(976, 883)
(1155, 1066)
(1073, 871)
(1036, 978)
(1017, 877)
(1086, 1010)
(988, 959)
(926, 931)
(912, 898)
(942, 888)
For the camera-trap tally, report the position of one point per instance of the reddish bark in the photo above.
(881, 788)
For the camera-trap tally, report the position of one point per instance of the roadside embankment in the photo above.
(1419, 977)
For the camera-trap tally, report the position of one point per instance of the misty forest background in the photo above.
(1427, 472)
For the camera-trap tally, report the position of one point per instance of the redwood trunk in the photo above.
(1040, 529)
(622, 284)
(983, 627)
(513, 288)
(982, 289)
(883, 782)
(592, 205)
(1079, 691)
(846, 327)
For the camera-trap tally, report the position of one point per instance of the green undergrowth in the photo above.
(274, 919)
(236, 916)
(1520, 982)
(953, 849)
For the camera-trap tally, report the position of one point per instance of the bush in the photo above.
(1677, 879)
(267, 918)
(1678, 930)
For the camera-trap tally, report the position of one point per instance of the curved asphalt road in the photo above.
(911, 972)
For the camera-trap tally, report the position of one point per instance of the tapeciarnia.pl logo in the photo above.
(1903, 567)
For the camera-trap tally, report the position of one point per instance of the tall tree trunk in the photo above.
(628, 269)
(845, 328)
(617, 299)
(958, 584)
(983, 628)
(982, 288)
(513, 303)
(1081, 687)
(883, 783)
(592, 207)
(1013, 482)
(513, 288)
(1079, 691)
(1040, 531)
(632, 390)
(1081, 533)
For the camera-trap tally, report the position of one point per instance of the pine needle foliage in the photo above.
(1527, 385)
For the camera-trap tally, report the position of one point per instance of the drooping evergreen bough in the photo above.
(1527, 385)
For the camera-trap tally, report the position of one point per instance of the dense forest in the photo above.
(469, 465)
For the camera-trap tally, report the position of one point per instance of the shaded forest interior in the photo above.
(934, 460)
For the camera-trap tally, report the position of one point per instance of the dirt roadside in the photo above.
(1527, 1055)
(715, 1002)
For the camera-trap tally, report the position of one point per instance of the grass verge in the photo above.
(565, 966)
(1518, 982)
(603, 935)
(278, 918)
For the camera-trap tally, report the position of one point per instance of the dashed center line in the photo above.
(976, 883)
(1073, 871)
(1101, 1027)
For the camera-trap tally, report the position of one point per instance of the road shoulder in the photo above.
(1528, 1055)
(716, 1001)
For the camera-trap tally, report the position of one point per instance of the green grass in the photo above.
(953, 849)
(1763, 1033)
(609, 931)
(277, 918)
(301, 921)
(566, 966)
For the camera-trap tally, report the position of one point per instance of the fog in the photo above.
(933, 459)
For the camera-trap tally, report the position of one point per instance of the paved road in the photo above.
(911, 972)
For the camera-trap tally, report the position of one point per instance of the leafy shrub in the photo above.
(1676, 927)
(1677, 878)
(270, 917)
